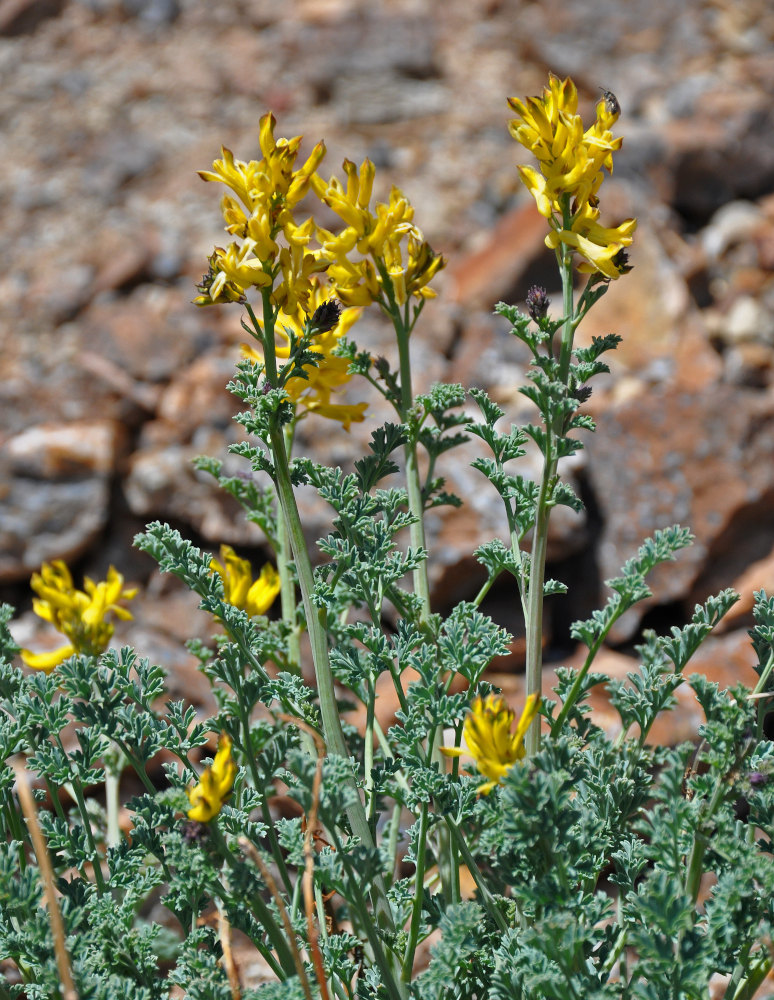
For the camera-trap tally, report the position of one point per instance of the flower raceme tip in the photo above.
(489, 739)
(82, 616)
(214, 785)
(572, 161)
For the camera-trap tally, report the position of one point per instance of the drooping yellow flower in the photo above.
(214, 785)
(571, 162)
(331, 373)
(253, 596)
(82, 616)
(489, 739)
(377, 236)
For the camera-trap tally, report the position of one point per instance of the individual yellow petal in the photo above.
(47, 661)
(263, 592)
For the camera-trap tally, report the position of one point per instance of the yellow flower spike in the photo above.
(239, 589)
(82, 616)
(489, 739)
(571, 163)
(214, 785)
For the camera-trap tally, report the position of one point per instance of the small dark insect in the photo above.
(611, 102)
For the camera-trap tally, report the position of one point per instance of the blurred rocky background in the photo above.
(112, 381)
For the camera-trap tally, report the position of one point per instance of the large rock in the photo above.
(703, 460)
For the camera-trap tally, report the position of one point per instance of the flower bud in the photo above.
(326, 316)
(537, 302)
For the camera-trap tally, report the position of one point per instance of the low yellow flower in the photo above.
(82, 616)
(331, 373)
(489, 739)
(253, 596)
(214, 786)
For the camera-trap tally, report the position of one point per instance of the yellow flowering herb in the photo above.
(330, 375)
(82, 616)
(489, 739)
(253, 596)
(214, 786)
(572, 161)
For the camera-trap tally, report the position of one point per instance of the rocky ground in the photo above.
(112, 381)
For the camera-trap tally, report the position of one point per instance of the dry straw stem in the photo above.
(307, 884)
(271, 885)
(224, 933)
(47, 876)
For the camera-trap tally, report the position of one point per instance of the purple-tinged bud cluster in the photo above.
(537, 303)
(326, 316)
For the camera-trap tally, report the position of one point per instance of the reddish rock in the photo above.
(671, 456)
(486, 274)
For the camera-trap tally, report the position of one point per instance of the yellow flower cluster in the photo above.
(82, 616)
(385, 238)
(214, 786)
(253, 596)
(489, 739)
(331, 374)
(572, 161)
(266, 192)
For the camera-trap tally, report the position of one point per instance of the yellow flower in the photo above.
(82, 616)
(331, 373)
(377, 236)
(266, 192)
(571, 162)
(239, 588)
(214, 786)
(489, 739)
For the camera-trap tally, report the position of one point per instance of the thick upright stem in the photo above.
(534, 621)
(413, 484)
(333, 733)
(287, 584)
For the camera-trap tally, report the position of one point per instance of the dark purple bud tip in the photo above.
(621, 262)
(382, 366)
(326, 316)
(758, 779)
(537, 303)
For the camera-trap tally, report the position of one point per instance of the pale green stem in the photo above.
(416, 912)
(111, 808)
(287, 583)
(332, 731)
(537, 571)
(413, 485)
(490, 903)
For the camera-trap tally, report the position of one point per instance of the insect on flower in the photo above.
(611, 102)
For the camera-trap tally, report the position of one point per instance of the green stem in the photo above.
(490, 903)
(750, 984)
(537, 570)
(413, 485)
(262, 913)
(287, 583)
(416, 912)
(333, 733)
